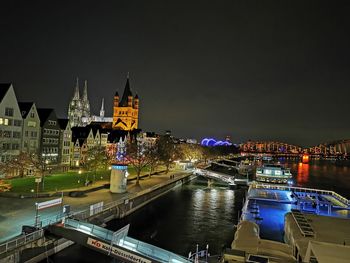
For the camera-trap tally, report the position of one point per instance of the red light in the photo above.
(305, 158)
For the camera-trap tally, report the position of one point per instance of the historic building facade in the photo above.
(79, 108)
(125, 110)
(30, 128)
(10, 123)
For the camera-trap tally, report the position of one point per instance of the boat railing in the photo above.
(305, 190)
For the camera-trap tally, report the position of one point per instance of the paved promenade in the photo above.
(15, 212)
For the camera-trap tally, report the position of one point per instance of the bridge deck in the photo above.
(115, 244)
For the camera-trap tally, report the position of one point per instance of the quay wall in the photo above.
(47, 245)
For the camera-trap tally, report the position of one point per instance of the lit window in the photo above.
(31, 124)
(1, 121)
(6, 121)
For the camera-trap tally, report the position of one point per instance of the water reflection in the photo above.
(303, 173)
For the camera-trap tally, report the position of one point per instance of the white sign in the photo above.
(49, 203)
(117, 252)
(96, 208)
(38, 180)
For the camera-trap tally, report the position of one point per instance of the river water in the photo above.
(195, 214)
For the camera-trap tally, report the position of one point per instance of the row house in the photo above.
(10, 123)
(83, 139)
(30, 128)
(50, 136)
(65, 143)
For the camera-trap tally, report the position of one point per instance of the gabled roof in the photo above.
(127, 92)
(25, 108)
(63, 123)
(4, 87)
(44, 114)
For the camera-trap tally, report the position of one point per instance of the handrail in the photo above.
(20, 241)
(303, 189)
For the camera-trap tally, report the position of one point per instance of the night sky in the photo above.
(269, 70)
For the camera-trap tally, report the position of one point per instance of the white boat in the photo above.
(245, 167)
(273, 173)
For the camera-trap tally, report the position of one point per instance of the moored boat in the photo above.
(273, 173)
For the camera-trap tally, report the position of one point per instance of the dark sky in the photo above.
(276, 70)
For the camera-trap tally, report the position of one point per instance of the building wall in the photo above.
(128, 116)
(50, 140)
(65, 147)
(31, 132)
(10, 126)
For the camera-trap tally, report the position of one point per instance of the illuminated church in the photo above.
(125, 110)
(79, 108)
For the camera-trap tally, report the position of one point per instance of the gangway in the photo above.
(115, 244)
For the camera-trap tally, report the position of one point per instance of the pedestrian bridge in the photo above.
(115, 244)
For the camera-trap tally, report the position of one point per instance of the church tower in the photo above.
(125, 110)
(85, 105)
(75, 108)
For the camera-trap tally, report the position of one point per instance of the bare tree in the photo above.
(190, 151)
(137, 156)
(168, 151)
(97, 159)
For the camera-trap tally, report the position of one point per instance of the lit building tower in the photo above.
(75, 108)
(102, 110)
(126, 110)
(85, 106)
(119, 171)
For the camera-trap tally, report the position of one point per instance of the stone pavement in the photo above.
(15, 212)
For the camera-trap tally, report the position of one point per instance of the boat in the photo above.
(245, 167)
(273, 173)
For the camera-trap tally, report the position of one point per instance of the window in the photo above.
(31, 124)
(17, 122)
(7, 134)
(26, 133)
(6, 146)
(15, 146)
(6, 121)
(1, 121)
(52, 123)
(10, 122)
(16, 134)
(9, 112)
(34, 134)
(32, 115)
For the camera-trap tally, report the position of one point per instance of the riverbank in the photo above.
(22, 211)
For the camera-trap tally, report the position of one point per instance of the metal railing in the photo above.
(303, 190)
(21, 241)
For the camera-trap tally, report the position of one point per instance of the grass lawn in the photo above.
(62, 181)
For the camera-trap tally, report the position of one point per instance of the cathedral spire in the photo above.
(76, 92)
(85, 96)
(102, 111)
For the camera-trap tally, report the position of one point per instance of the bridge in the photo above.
(229, 179)
(114, 244)
(339, 147)
(333, 148)
(272, 147)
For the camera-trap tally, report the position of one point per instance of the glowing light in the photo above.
(305, 158)
(213, 142)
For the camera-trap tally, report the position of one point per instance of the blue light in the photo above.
(213, 142)
(119, 167)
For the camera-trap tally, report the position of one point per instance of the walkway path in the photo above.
(15, 212)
